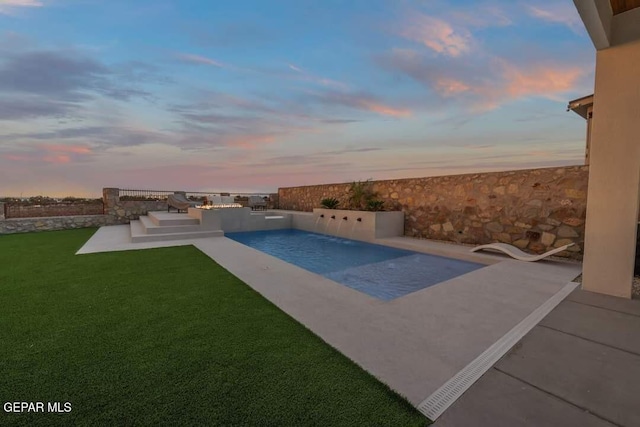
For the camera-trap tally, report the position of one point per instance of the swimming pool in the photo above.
(379, 271)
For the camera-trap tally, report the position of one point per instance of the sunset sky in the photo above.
(254, 95)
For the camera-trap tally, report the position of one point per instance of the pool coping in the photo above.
(415, 343)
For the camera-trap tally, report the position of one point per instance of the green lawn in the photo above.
(165, 336)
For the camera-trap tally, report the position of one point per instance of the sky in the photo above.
(243, 96)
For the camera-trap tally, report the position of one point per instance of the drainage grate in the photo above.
(434, 405)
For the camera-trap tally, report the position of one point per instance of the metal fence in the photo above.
(196, 196)
(129, 194)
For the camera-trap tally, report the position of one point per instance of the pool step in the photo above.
(152, 228)
(139, 234)
(162, 218)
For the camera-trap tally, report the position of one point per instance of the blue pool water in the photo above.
(380, 271)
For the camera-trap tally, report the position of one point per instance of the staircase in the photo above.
(163, 226)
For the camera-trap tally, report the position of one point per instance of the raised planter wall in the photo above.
(534, 209)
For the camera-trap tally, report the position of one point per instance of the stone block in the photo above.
(521, 243)
(494, 227)
(574, 194)
(564, 231)
(537, 247)
(547, 239)
(502, 237)
(562, 242)
(574, 222)
(522, 225)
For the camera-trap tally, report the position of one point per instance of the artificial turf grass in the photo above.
(165, 336)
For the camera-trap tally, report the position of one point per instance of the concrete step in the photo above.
(161, 218)
(138, 234)
(151, 228)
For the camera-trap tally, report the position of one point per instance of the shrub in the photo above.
(330, 203)
(375, 205)
(360, 194)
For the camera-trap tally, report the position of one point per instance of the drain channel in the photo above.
(434, 405)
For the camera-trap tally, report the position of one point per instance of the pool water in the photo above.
(379, 271)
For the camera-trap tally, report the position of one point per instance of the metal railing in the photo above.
(196, 196)
(128, 194)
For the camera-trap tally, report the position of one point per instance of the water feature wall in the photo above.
(356, 225)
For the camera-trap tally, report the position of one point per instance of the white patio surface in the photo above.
(415, 343)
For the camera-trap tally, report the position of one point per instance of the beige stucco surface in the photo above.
(614, 176)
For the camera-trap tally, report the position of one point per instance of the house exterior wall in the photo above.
(614, 176)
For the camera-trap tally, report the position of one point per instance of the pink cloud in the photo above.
(511, 82)
(546, 81)
(7, 6)
(385, 110)
(483, 16)
(437, 35)
(563, 13)
(54, 154)
(302, 75)
(16, 157)
(75, 149)
(57, 159)
(249, 141)
(449, 86)
(198, 59)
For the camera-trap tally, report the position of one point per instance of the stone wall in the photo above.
(13, 210)
(535, 209)
(26, 225)
(122, 211)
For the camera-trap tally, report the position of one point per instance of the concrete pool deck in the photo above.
(416, 343)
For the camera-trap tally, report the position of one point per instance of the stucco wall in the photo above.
(534, 209)
(615, 182)
(26, 225)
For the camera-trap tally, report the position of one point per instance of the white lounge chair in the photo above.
(180, 202)
(516, 253)
(257, 202)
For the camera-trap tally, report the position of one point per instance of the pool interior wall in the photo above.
(382, 272)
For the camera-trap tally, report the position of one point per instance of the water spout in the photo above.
(353, 227)
(333, 217)
(321, 215)
(359, 219)
(345, 218)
